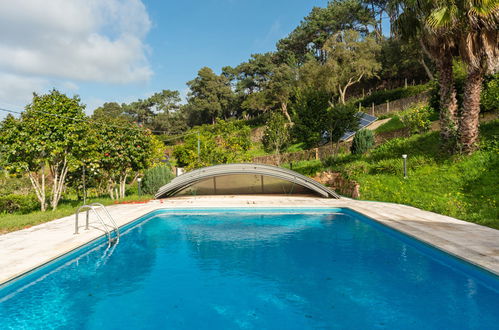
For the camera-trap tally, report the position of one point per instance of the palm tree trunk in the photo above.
(448, 103)
(468, 126)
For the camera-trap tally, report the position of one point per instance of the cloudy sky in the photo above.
(122, 50)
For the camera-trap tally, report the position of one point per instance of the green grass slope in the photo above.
(464, 187)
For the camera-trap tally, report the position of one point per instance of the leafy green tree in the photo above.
(277, 134)
(209, 97)
(109, 110)
(341, 119)
(349, 60)
(222, 143)
(51, 132)
(125, 149)
(313, 32)
(169, 118)
(310, 114)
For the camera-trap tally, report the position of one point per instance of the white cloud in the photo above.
(81, 40)
(18, 89)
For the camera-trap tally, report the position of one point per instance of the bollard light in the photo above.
(138, 181)
(405, 165)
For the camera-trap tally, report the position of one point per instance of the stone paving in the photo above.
(26, 249)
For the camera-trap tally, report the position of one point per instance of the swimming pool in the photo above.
(282, 269)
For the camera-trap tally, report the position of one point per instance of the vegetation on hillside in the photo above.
(306, 92)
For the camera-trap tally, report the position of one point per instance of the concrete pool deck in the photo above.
(24, 250)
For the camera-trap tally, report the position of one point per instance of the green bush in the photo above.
(155, 178)
(380, 97)
(417, 118)
(490, 94)
(18, 203)
(362, 141)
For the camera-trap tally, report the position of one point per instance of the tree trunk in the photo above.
(39, 187)
(284, 108)
(426, 68)
(110, 188)
(448, 103)
(122, 186)
(58, 184)
(468, 125)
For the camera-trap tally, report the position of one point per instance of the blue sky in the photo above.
(122, 50)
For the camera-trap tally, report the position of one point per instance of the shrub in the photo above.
(490, 94)
(362, 141)
(387, 166)
(155, 178)
(18, 203)
(417, 118)
(380, 97)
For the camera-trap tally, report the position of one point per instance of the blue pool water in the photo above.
(247, 270)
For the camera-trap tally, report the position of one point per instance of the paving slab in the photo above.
(26, 249)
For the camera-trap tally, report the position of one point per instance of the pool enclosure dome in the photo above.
(243, 179)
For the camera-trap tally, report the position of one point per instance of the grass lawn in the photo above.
(12, 222)
(464, 187)
(393, 124)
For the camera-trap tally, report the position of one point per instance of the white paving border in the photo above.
(26, 249)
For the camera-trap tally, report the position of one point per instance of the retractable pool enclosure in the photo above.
(243, 179)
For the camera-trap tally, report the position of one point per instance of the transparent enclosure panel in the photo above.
(244, 184)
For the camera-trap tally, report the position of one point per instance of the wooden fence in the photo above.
(397, 105)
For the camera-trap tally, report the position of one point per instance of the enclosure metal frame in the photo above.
(188, 179)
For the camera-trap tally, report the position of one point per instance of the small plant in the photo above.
(155, 178)
(362, 141)
(490, 95)
(417, 118)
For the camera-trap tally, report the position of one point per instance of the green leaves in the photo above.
(222, 143)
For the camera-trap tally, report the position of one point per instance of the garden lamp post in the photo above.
(405, 165)
(138, 182)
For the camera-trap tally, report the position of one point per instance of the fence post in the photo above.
(405, 84)
(316, 153)
(360, 108)
(373, 109)
(387, 106)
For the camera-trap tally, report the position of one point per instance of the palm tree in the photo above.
(474, 24)
(439, 44)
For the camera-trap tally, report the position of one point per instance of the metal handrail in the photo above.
(115, 225)
(93, 207)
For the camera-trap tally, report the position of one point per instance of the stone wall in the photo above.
(339, 184)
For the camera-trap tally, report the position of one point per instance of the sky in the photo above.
(124, 50)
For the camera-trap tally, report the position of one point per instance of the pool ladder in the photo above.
(94, 207)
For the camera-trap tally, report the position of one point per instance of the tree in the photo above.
(109, 110)
(52, 131)
(310, 115)
(169, 116)
(439, 44)
(209, 97)
(341, 119)
(276, 135)
(222, 143)
(124, 149)
(474, 26)
(313, 32)
(349, 60)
